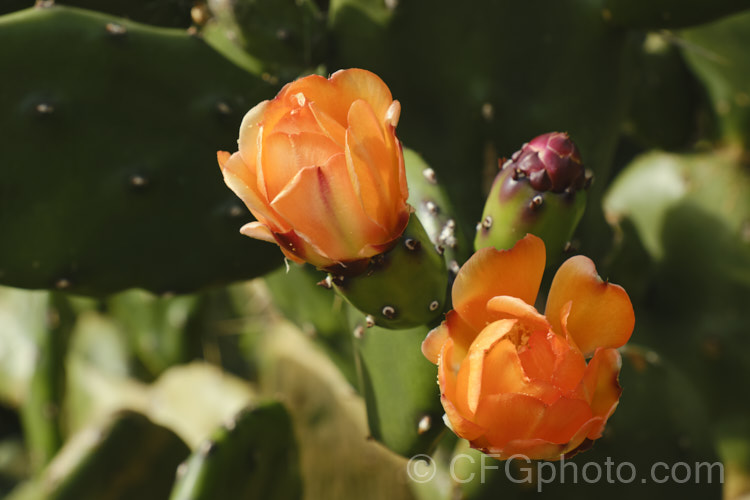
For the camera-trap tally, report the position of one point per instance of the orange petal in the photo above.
(538, 358)
(240, 180)
(461, 426)
(297, 120)
(562, 420)
(505, 306)
(460, 331)
(508, 417)
(373, 168)
(533, 449)
(433, 342)
(600, 382)
(321, 206)
(492, 365)
(570, 364)
(330, 127)
(448, 367)
(489, 273)
(248, 141)
(285, 155)
(601, 314)
(356, 84)
(258, 231)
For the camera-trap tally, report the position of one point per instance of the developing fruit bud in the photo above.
(540, 190)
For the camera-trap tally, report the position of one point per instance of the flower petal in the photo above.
(505, 306)
(533, 449)
(601, 314)
(489, 273)
(463, 427)
(356, 84)
(249, 128)
(600, 382)
(373, 168)
(562, 420)
(259, 231)
(284, 155)
(241, 180)
(492, 365)
(460, 331)
(321, 206)
(508, 417)
(433, 342)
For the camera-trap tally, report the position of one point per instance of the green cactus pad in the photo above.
(130, 457)
(700, 198)
(404, 287)
(284, 36)
(514, 209)
(400, 389)
(720, 61)
(252, 457)
(108, 176)
(434, 210)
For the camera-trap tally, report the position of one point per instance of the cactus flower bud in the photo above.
(321, 169)
(551, 162)
(516, 382)
(540, 190)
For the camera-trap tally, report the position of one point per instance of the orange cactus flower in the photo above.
(516, 382)
(321, 169)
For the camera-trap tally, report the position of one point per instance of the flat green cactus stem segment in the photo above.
(657, 14)
(108, 176)
(434, 209)
(400, 389)
(510, 214)
(671, 198)
(284, 36)
(129, 457)
(254, 456)
(718, 55)
(404, 287)
(166, 13)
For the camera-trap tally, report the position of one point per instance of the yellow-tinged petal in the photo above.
(492, 365)
(373, 169)
(356, 84)
(248, 141)
(601, 314)
(507, 307)
(242, 182)
(433, 343)
(489, 273)
(259, 231)
(332, 128)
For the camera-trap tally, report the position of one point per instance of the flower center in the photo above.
(519, 335)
